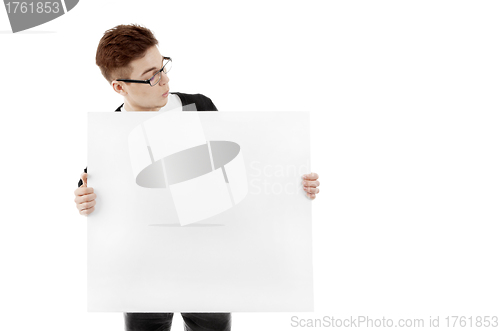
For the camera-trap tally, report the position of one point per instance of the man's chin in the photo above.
(160, 105)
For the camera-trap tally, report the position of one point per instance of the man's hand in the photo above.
(310, 184)
(85, 197)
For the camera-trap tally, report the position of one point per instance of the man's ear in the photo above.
(118, 87)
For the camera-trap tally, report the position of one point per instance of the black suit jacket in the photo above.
(202, 104)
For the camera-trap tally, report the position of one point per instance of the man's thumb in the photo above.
(84, 179)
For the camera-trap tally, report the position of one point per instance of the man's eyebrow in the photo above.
(148, 70)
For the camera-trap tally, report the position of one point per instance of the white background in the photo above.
(404, 118)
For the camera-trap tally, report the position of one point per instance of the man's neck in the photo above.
(128, 107)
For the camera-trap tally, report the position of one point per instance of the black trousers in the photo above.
(163, 321)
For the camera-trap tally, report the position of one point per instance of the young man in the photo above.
(131, 62)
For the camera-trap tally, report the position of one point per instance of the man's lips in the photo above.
(165, 94)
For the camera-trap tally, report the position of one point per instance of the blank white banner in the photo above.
(199, 212)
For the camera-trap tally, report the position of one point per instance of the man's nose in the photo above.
(164, 79)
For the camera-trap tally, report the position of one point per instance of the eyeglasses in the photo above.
(156, 77)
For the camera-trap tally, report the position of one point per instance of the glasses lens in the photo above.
(168, 66)
(155, 79)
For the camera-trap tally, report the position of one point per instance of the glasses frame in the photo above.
(148, 81)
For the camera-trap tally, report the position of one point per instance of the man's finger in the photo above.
(85, 212)
(311, 176)
(82, 190)
(85, 198)
(86, 205)
(313, 183)
(311, 189)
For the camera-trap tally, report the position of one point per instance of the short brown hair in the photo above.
(121, 45)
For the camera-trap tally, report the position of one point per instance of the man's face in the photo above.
(143, 97)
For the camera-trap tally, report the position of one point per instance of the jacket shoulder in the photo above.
(202, 102)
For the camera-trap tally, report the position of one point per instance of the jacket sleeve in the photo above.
(208, 104)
